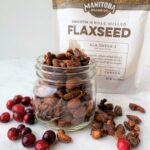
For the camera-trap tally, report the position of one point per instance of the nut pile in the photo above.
(72, 58)
(104, 124)
(72, 103)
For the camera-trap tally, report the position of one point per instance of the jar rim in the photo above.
(40, 62)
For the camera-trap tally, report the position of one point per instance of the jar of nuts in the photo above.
(65, 94)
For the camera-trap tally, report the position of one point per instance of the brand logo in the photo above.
(99, 8)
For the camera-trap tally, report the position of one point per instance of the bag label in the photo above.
(110, 31)
(99, 8)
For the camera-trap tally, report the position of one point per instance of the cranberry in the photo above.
(29, 110)
(18, 116)
(10, 104)
(123, 144)
(28, 140)
(41, 145)
(31, 103)
(21, 127)
(25, 131)
(5, 117)
(49, 136)
(26, 101)
(18, 108)
(29, 118)
(13, 134)
(17, 99)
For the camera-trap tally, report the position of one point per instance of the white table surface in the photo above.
(18, 77)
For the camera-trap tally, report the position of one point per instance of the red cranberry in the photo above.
(41, 145)
(5, 117)
(13, 134)
(17, 99)
(29, 110)
(123, 144)
(10, 104)
(21, 127)
(29, 118)
(18, 116)
(18, 108)
(28, 140)
(25, 131)
(31, 103)
(49, 136)
(26, 101)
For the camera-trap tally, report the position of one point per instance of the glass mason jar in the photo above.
(65, 97)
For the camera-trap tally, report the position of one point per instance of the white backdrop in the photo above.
(25, 29)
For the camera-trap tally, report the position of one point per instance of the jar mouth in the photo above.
(40, 61)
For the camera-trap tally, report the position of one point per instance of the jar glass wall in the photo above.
(65, 97)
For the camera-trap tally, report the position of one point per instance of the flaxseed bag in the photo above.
(110, 31)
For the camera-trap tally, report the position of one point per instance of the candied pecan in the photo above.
(61, 56)
(74, 89)
(63, 123)
(105, 107)
(62, 64)
(86, 97)
(63, 137)
(104, 131)
(110, 127)
(46, 107)
(131, 123)
(89, 107)
(136, 107)
(44, 112)
(53, 55)
(96, 133)
(127, 126)
(48, 58)
(73, 82)
(102, 105)
(109, 106)
(111, 115)
(80, 112)
(77, 53)
(69, 53)
(120, 131)
(60, 92)
(74, 62)
(85, 61)
(136, 119)
(57, 109)
(65, 120)
(133, 138)
(101, 116)
(50, 100)
(97, 125)
(72, 94)
(56, 62)
(110, 122)
(136, 128)
(73, 104)
(118, 110)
